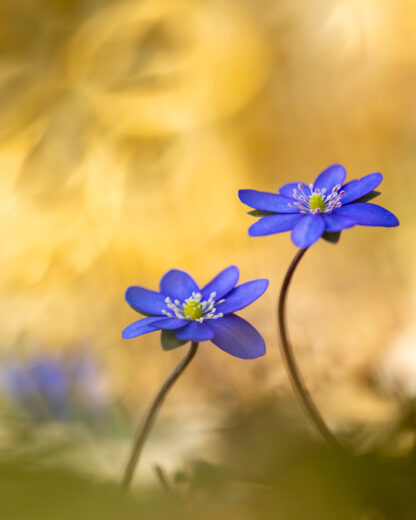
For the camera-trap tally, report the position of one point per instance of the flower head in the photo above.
(323, 208)
(184, 312)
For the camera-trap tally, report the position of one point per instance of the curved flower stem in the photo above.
(295, 377)
(161, 475)
(151, 416)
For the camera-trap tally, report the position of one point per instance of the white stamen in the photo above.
(332, 199)
(207, 307)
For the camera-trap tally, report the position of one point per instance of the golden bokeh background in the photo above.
(126, 130)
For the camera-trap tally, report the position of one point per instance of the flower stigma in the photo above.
(316, 202)
(193, 308)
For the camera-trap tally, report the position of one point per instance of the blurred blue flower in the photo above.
(52, 383)
(186, 313)
(327, 206)
(53, 388)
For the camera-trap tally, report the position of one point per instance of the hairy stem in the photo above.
(292, 368)
(151, 416)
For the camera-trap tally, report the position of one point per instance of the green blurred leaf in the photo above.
(331, 237)
(260, 213)
(169, 341)
(370, 196)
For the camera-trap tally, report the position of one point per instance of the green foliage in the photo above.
(259, 213)
(268, 469)
(331, 237)
(370, 196)
(169, 341)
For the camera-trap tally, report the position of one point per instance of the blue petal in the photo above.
(287, 189)
(222, 283)
(178, 284)
(266, 201)
(143, 300)
(242, 296)
(170, 323)
(274, 224)
(194, 331)
(335, 223)
(237, 337)
(330, 177)
(308, 230)
(358, 188)
(367, 214)
(138, 328)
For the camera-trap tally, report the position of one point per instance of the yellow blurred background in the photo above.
(126, 130)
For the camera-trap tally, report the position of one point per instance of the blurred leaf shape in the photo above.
(195, 79)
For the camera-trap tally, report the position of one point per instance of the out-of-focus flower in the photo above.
(186, 313)
(327, 206)
(49, 388)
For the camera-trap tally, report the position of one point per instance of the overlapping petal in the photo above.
(330, 177)
(138, 328)
(146, 301)
(335, 223)
(287, 189)
(360, 187)
(169, 323)
(308, 230)
(267, 201)
(274, 224)
(242, 296)
(237, 337)
(222, 283)
(367, 214)
(195, 331)
(178, 284)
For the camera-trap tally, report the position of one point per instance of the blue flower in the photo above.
(326, 207)
(183, 312)
(49, 388)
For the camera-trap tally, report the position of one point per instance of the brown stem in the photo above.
(151, 416)
(292, 368)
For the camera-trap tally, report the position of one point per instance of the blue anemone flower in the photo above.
(183, 312)
(324, 208)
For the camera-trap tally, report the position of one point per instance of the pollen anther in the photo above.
(317, 200)
(193, 308)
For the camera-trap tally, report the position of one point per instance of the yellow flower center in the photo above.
(316, 202)
(192, 310)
